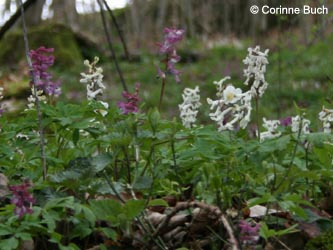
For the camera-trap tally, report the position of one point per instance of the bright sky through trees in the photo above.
(82, 6)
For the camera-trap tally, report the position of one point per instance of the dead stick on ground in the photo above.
(211, 209)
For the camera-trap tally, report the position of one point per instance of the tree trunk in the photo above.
(33, 16)
(162, 9)
(65, 12)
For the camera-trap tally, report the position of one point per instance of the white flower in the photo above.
(32, 100)
(93, 79)
(220, 86)
(189, 108)
(22, 136)
(233, 107)
(1, 93)
(104, 111)
(256, 62)
(231, 94)
(326, 116)
(271, 126)
(296, 125)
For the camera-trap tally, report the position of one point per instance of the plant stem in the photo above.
(128, 166)
(162, 93)
(113, 188)
(163, 83)
(258, 118)
(293, 155)
(37, 102)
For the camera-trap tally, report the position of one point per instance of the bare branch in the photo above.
(113, 53)
(120, 33)
(37, 102)
(12, 20)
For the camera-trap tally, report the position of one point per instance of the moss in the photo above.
(57, 36)
(322, 242)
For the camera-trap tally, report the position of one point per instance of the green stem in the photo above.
(163, 83)
(258, 118)
(162, 93)
(293, 156)
(128, 165)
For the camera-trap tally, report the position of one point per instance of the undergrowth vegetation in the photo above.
(102, 174)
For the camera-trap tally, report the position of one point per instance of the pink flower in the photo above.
(286, 121)
(249, 234)
(168, 47)
(131, 106)
(22, 199)
(171, 38)
(42, 59)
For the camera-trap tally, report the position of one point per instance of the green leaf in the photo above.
(67, 202)
(80, 230)
(158, 202)
(101, 161)
(8, 244)
(288, 230)
(5, 230)
(71, 246)
(318, 138)
(55, 237)
(274, 145)
(106, 209)
(110, 233)
(265, 232)
(76, 136)
(133, 208)
(49, 220)
(142, 182)
(154, 118)
(102, 247)
(23, 236)
(264, 199)
(89, 215)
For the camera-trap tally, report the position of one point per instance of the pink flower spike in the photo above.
(131, 106)
(171, 37)
(249, 234)
(160, 73)
(22, 199)
(42, 59)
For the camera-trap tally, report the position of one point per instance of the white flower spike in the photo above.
(326, 116)
(272, 132)
(256, 62)
(296, 125)
(93, 79)
(232, 108)
(189, 108)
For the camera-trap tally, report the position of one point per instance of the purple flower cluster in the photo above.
(131, 106)
(249, 234)
(171, 38)
(286, 121)
(42, 59)
(168, 47)
(22, 199)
